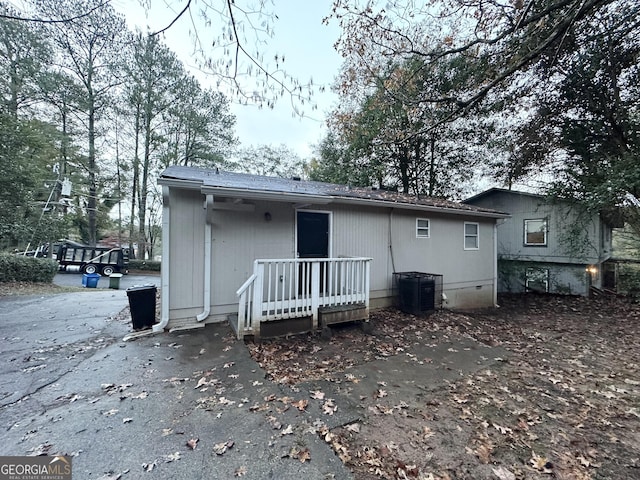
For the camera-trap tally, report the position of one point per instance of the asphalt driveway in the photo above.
(193, 405)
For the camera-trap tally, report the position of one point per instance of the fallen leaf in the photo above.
(40, 450)
(301, 404)
(192, 443)
(110, 476)
(201, 382)
(148, 467)
(240, 471)
(541, 463)
(503, 473)
(303, 455)
(172, 457)
(317, 394)
(287, 431)
(127, 420)
(502, 430)
(113, 411)
(353, 427)
(329, 407)
(221, 448)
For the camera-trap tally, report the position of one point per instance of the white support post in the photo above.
(256, 317)
(315, 292)
(367, 271)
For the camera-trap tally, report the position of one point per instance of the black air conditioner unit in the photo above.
(418, 293)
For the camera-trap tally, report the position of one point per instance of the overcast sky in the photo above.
(300, 36)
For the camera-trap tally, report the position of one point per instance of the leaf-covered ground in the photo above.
(563, 403)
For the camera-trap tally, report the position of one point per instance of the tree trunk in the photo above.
(144, 179)
(93, 191)
(134, 186)
(432, 166)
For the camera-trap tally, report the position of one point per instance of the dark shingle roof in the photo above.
(228, 181)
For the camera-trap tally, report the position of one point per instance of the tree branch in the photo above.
(182, 12)
(51, 21)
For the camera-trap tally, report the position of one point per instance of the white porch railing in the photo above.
(290, 288)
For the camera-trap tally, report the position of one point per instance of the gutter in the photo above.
(326, 199)
(164, 273)
(208, 205)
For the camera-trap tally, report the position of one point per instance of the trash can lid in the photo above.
(135, 288)
(115, 275)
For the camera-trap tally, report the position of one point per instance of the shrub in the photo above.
(148, 265)
(629, 279)
(17, 268)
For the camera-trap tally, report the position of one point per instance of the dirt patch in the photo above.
(564, 403)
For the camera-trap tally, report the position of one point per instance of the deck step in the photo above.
(342, 313)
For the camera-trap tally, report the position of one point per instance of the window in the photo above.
(535, 232)
(422, 227)
(537, 280)
(471, 236)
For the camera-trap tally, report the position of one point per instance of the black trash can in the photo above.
(142, 303)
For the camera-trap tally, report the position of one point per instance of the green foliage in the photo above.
(145, 265)
(629, 279)
(26, 150)
(18, 268)
(388, 137)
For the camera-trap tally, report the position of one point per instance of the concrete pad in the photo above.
(123, 407)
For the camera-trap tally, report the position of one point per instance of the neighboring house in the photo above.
(257, 250)
(547, 246)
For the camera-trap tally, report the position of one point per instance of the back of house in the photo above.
(231, 239)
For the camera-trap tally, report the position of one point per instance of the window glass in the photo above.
(422, 227)
(535, 232)
(471, 236)
(537, 279)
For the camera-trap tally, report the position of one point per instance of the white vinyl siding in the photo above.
(423, 228)
(471, 236)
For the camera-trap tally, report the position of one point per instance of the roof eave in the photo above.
(266, 195)
(326, 199)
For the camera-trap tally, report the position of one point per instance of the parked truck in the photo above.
(73, 256)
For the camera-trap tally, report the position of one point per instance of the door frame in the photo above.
(329, 214)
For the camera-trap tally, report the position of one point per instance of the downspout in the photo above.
(164, 273)
(495, 263)
(393, 263)
(208, 205)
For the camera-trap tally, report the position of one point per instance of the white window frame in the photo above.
(469, 236)
(419, 228)
(530, 276)
(544, 224)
